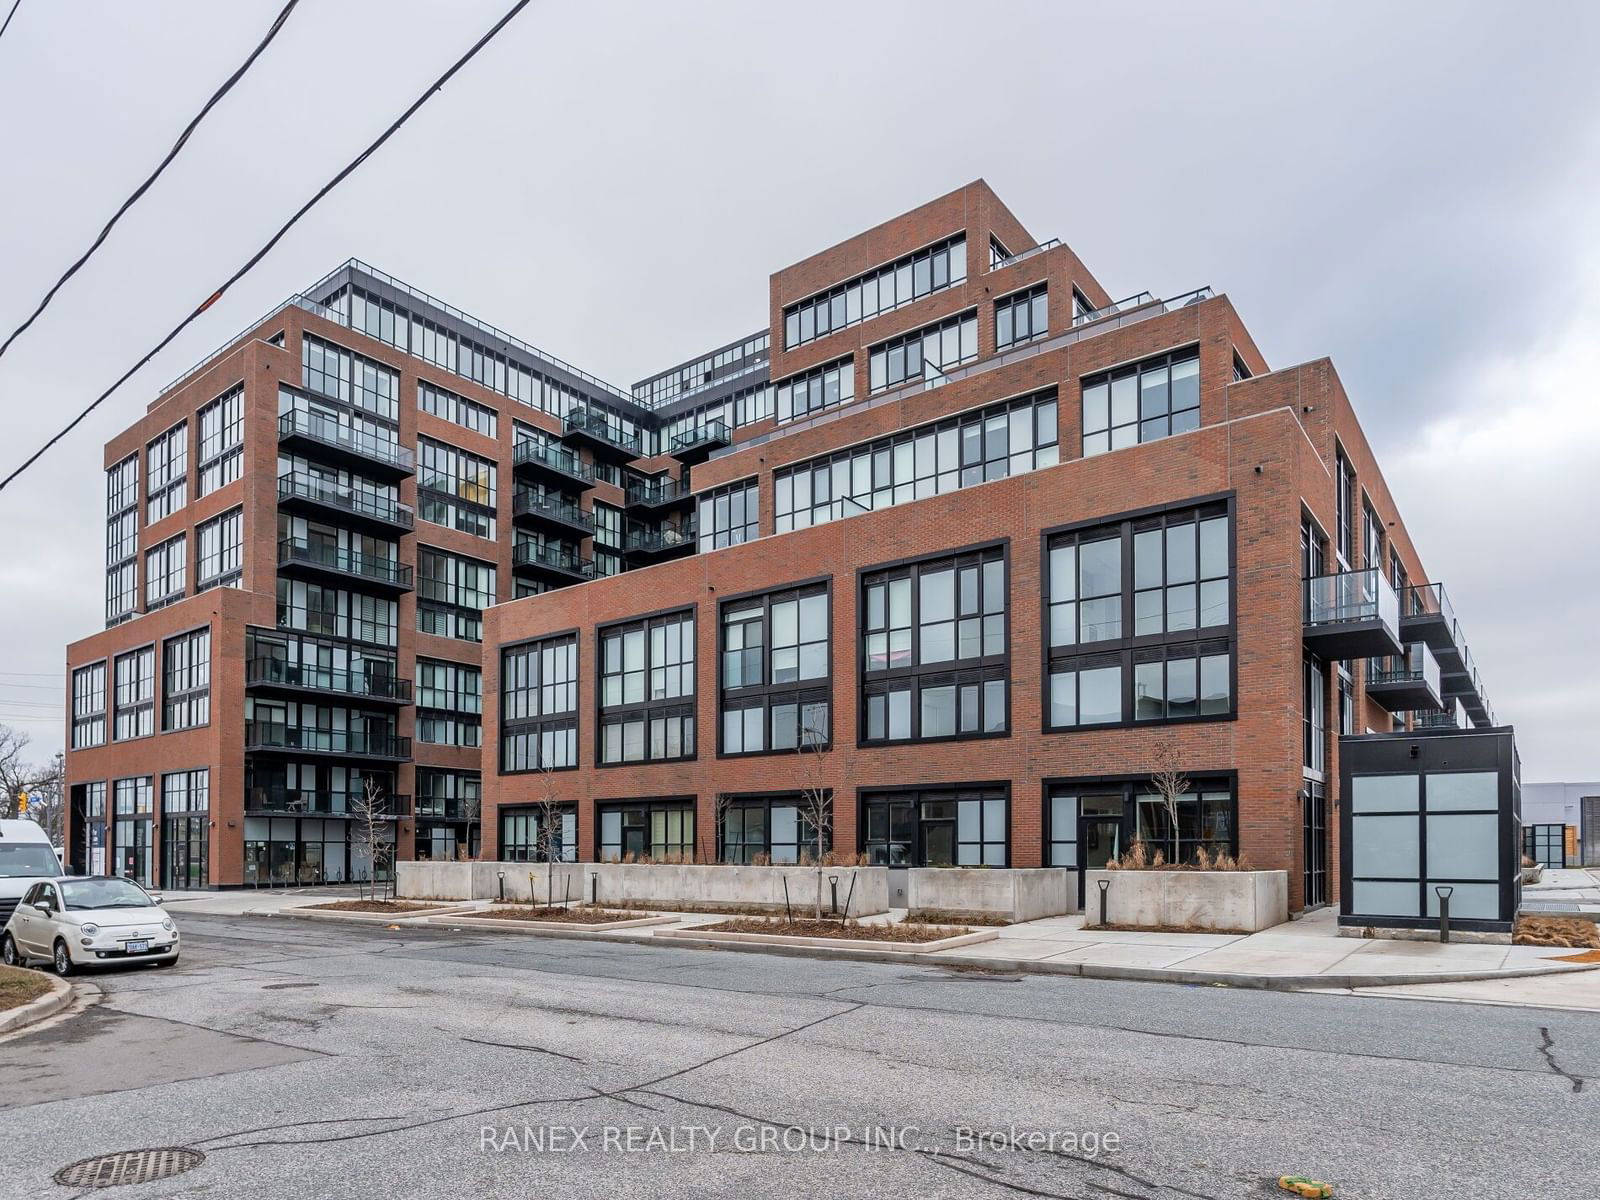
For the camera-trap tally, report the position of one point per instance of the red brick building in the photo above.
(1000, 542)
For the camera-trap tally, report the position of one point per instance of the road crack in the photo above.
(1547, 1048)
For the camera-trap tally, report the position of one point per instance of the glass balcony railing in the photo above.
(1416, 666)
(300, 485)
(597, 425)
(554, 457)
(532, 505)
(655, 541)
(276, 798)
(1351, 596)
(346, 562)
(1428, 599)
(319, 427)
(714, 433)
(361, 743)
(658, 491)
(377, 685)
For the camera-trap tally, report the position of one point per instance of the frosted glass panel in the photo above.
(1384, 899)
(1384, 846)
(1479, 901)
(1384, 793)
(1464, 789)
(1463, 846)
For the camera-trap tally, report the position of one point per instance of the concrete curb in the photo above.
(1024, 966)
(899, 950)
(34, 1011)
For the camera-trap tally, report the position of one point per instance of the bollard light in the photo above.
(833, 882)
(1105, 885)
(502, 875)
(1443, 892)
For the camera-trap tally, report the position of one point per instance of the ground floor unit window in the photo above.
(660, 830)
(520, 839)
(769, 829)
(291, 851)
(1089, 824)
(441, 840)
(959, 826)
(184, 851)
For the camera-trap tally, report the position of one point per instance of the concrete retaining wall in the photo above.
(663, 884)
(1019, 895)
(1223, 900)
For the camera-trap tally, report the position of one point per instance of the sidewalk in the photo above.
(1305, 954)
(1574, 891)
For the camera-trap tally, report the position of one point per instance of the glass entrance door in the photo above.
(1099, 837)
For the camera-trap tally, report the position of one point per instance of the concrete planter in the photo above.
(474, 921)
(783, 939)
(1226, 901)
(656, 884)
(1017, 895)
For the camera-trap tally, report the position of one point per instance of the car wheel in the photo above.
(8, 952)
(63, 960)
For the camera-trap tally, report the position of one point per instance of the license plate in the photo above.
(138, 947)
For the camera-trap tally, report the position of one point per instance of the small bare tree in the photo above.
(472, 810)
(547, 839)
(814, 747)
(371, 809)
(720, 803)
(1168, 782)
(18, 776)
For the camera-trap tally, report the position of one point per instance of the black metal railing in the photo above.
(667, 537)
(319, 427)
(597, 425)
(531, 504)
(708, 431)
(377, 685)
(298, 485)
(530, 554)
(276, 798)
(554, 457)
(346, 562)
(658, 491)
(275, 735)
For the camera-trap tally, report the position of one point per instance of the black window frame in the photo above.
(649, 806)
(529, 851)
(1133, 788)
(683, 707)
(1169, 360)
(805, 833)
(768, 695)
(537, 724)
(1023, 300)
(917, 796)
(186, 686)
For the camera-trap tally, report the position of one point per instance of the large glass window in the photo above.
(219, 558)
(1154, 399)
(1007, 439)
(455, 489)
(934, 649)
(539, 705)
(1135, 810)
(776, 662)
(647, 690)
(340, 375)
(812, 391)
(167, 473)
(135, 694)
(520, 834)
(1345, 483)
(880, 290)
(449, 700)
(1139, 619)
(186, 680)
(658, 830)
(89, 706)
(165, 572)
(1021, 316)
(468, 414)
(924, 353)
(959, 826)
(221, 441)
(768, 829)
(452, 592)
(122, 539)
(729, 515)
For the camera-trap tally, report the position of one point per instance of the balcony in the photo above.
(659, 495)
(1449, 717)
(603, 438)
(657, 545)
(303, 559)
(1406, 681)
(1353, 614)
(278, 799)
(326, 500)
(697, 444)
(1466, 689)
(531, 511)
(1427, 616)
(324, 438)
(551, 464)
(276, 737)
(263, 674)
(551, 564)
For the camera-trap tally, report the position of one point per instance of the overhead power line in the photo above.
(344, 173)
(183, 138)
(9, 15)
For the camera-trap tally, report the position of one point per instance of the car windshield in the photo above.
(27, 860)
(103, 893)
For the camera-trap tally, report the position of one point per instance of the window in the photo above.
(775, 666)
(1345, 482)
(1240, 371)
(135, 682)
(924, 353)
(452, 593)
(770, 829)
(1155, 399)
(1135, 810)
(122, 592)
(186, 791)
(331, 612)
(186, 680)
(455, 489)
(997, 252)
(1371, 537)
(1021, 317)
(338, 374)
(89, 706)
(466, 413)
(1313, 717)
(219, 559)
(1139, 618)
(880, 290)
(729, 515)
(647, 690)
(449, 703)
(539, 705)
(122, 539)
(449, 795)
(131, 834)
(659, 830)
(164, 572)
(812, 391)
(221, 441)
(608, 537)
(723, 364)
(965, 826)
(520, 839)
(934, 649)
(1007, 439)
(167, 473)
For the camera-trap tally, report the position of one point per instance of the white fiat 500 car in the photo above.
(89, 921)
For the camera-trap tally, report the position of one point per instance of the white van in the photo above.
(26, 856)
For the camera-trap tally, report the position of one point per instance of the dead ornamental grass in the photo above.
(1139, 858)
(18, 986)
(849, 930)
(950, 916)
(1573, 932)
(572, 916)
(372, 906)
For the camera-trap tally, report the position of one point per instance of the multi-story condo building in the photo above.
(956, 536)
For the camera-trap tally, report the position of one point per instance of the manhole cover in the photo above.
(129, 1166)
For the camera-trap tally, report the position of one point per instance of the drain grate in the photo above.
(129, 1166)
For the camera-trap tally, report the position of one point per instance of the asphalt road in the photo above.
(310, 1060)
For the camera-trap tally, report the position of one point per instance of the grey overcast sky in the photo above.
(1409, 188)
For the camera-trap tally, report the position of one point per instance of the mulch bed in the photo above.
(1573, 932)
(946, 916)
(17, 986)
(648, 908)
(373, 906)
(833, 929)
(574, 916)
(1164, 929)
